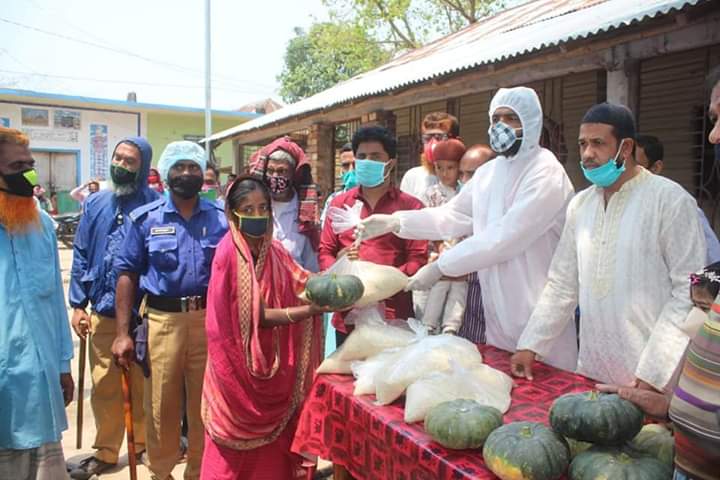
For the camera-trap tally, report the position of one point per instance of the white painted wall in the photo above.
(120, 125)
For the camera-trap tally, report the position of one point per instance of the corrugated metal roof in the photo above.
(511, 33)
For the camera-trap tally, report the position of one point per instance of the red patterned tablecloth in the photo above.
(374, 443)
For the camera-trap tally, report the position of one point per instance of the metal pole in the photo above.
(208, 115)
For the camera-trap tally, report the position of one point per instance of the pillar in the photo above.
(321, 154)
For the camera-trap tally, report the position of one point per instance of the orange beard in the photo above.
(18, 214)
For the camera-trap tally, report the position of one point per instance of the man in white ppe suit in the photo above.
(513, 211)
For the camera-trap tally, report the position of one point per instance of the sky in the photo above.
(152, 47)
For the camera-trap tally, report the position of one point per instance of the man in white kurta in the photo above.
(513, 211)
(624, 256)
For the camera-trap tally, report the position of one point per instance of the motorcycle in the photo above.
(66, 226)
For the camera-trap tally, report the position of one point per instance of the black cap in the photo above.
(618, 116)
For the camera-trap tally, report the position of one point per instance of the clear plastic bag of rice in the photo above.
(482, 383)
(380, 282)
(427, 355)
(364, 371)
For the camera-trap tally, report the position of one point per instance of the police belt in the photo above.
(177, 304)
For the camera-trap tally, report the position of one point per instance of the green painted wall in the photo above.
(163, 128)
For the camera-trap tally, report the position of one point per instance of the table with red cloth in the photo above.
(373, 442)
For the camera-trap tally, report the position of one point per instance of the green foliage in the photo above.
(409, 24)
(329, 53)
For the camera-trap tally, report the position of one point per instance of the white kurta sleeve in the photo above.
(541, 197)
(559, 298)
(683, 248)
(452, 220)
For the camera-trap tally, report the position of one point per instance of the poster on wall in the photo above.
(4, 122)
(35, 117)
(66, 119)
(45, 135)
(99, 151)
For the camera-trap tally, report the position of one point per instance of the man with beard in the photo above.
(513, 212)
(35, 342)
(98, 240)
(168, 251)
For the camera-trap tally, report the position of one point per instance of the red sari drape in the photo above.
(256, 378)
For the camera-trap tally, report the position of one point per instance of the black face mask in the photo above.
(122, 176)
(21, 183)
(186, 186)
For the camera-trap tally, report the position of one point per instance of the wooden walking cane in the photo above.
(127, 405)
(81, 392)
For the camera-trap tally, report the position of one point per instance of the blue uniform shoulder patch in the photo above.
(147, 208)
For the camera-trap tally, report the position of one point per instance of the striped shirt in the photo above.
(695, 406)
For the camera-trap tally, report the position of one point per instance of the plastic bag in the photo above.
(430, 354)
(364, 372)
(372, 335)
(345, 218)
(380, 281)
(333, 364)
(481, 383)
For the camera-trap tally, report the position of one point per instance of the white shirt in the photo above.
(627, 265)
(514, 209)
(416, 182)
(285, 230)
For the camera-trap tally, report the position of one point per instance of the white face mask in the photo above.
(694, 322)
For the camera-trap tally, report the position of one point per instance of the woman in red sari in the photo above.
(263, 346)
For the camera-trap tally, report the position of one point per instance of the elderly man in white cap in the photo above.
(168, 250)
(513, 211)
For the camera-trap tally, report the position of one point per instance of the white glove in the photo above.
(425, 278)
(376, 225)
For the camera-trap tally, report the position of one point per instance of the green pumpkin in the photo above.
(614, 463)
(334, 291)
(599, 418)
(526, 451)
(576, 446)
(460, 424)
(656, 441)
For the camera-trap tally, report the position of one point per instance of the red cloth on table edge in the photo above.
(373, 442)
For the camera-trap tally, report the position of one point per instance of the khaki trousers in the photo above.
(107, 398)
(177, 348)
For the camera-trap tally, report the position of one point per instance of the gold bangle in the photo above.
(287, 314)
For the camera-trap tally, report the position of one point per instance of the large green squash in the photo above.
(335, 291)
(461, 423)
(577, 446)
(603, 419)
(656, 441)
(612, 463)
(526, 451)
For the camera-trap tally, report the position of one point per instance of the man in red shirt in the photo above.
(375, 151)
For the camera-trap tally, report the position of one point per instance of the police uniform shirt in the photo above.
(172, 255)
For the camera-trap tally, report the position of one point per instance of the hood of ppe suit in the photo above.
(526, 104)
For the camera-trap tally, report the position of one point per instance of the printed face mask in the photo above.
(278, 184)
(606, 174)
(21, 183)
(254, 227)
(370, 173)
(428, 150)
(502, 137)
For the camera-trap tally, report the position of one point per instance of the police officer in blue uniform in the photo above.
(169, 249)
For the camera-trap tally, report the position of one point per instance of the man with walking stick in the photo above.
(100, 235)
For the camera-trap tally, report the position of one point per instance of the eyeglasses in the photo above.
(437, 136)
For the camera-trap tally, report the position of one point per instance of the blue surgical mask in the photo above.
(370, 173)
(349, 179)
(607, 174)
